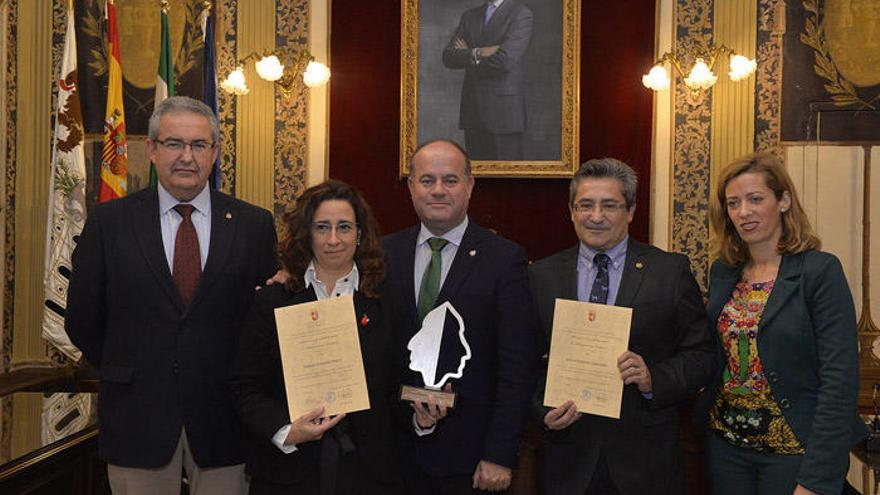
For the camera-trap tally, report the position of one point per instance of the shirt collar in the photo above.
(454, 235)
(616, 253)
(496, 2)
(202, 201)
(311, 276)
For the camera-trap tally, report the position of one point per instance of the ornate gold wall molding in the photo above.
(8, 19)
(768, 78)
(226, 30)
(291, 112)
(691, 147)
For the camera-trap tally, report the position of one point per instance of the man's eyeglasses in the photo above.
(605, 207)
(343, 228)
(198, 147)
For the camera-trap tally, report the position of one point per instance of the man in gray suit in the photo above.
(489, 44)
(670, 352)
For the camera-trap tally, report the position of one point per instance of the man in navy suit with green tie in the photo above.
(447, 257)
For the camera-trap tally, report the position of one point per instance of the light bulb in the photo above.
(700, 77)
(657, 79)
(316, 74)
(741, 67)
(235, 82)
(270, 68)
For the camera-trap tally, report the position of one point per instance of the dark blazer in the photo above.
(163, 365)
(492, 92)
(488, 285)
(669, 330)
(260, 398)
(808, 347)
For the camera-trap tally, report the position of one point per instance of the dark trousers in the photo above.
(419, 482)
(601, 483)
(484, 145)
(739, 471)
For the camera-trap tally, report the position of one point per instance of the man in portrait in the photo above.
(489, 44)
(670, 353)
(448, 258)
(162, 280)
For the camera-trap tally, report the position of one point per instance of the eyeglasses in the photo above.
(343, 228)
(605, 207)
(198, 147)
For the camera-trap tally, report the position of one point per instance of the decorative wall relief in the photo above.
(831, 75)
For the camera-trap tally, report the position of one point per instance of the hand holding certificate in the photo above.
(321, 357)
(587, 340)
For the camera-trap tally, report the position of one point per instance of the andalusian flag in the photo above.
(67, 196)
(209, 96)
(62, 413)
(114, 158)
(165, 79)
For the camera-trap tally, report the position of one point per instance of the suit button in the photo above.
(175, 369)
(773, 377)
(785, 403)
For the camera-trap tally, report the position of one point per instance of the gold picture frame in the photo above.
(564, 161)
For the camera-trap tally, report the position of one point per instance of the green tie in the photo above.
(431, 279)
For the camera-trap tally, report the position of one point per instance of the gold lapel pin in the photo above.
(228, 215)
(639, 265)
(473, 252)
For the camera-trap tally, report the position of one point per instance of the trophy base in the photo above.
(419, 394)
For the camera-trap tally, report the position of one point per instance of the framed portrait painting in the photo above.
(499, 77)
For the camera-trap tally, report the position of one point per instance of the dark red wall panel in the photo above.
(617, 40)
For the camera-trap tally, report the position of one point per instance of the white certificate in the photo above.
(587, 340)
(321, 357)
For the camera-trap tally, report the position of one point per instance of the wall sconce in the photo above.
(270, 68)
(700, 76)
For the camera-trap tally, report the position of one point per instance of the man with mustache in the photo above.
(162, 280)
(670, 346)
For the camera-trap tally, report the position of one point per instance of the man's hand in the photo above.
(488, 51)
(491, 477)
(310, 426)
(280, 277)
(459, 44)
(428, 414)
(633, 370)
(562, 417)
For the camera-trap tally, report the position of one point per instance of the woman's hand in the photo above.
(310, 426)
(562, 417)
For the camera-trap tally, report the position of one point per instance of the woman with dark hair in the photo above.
(784, 414)
(331, 248)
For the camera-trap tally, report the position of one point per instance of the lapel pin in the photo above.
(639, 265)
(365, 320)
(473, 252)
(229, 215)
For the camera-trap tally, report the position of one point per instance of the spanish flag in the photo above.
(114, 158)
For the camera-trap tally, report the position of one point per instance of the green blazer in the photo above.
(808, 347)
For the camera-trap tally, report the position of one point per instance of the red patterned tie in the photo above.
(187, 261)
